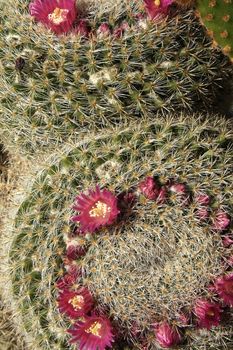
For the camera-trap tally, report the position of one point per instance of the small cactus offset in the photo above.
(217, 16)
(147, 245)
(111, 67)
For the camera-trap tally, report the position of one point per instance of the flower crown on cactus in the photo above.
(100, 209)
(148, 251)
(108, 67)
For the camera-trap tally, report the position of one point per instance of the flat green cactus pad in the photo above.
(217, 15)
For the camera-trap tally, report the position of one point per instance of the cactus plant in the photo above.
(163, 250)
(56, 87)
(217, 15)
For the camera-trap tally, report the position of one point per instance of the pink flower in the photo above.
(149, 188)
(227, 241)
(162, 195)
(68, 280)
(222, 221)
(156, 8)
(95, 333)
(166, 335)
(97, 208)
(83, 28)
(224, 287)
(208, 314)
(202, 199)
(75, 304)
(119, 31)
(184, 319)
(103, 30)
(57, 15)
(202, 213)
(230, 261)
(178, 188)
(74, 252)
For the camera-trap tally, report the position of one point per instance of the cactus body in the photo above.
(54, 88)
(190, 150)
(217, 16)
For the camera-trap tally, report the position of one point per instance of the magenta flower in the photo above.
(202, 213)
(156, 8)
(95, 333)
(119, 31)
(103, 30)
(75, 304)
(178, 188)
(83, 28)
(221, 221)
(74, 252)
(224, 287)
(162, 195)
(57, 15)
(97, 208)
(184, 319)
(208, 314)
(202, 199)
(227, 241)
(230, 261)
(68, 280)
(166, 335)
(149, 188)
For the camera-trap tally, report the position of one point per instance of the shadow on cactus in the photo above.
(4, 163)
(55, 87)
(146, 251)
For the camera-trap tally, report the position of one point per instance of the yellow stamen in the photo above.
(99, 210)
(77, 302)
(157, 2)
(58, 15)
(95, 329)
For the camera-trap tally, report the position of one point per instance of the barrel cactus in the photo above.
(129, 233)
(112, 67)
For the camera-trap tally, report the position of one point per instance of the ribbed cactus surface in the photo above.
(217, 15)
(158, 249)
(54, 87)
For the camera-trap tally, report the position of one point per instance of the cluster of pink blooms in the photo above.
(61, 16)
(153, 191)
(90, 330)
(100, 208)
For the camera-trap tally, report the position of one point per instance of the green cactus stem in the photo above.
(55, 88)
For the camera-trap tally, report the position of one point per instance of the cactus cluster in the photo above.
(53, 88)
(192, 150)
(217, 16)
